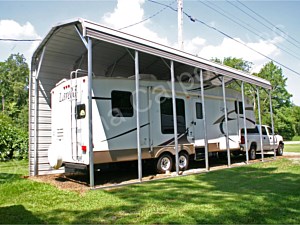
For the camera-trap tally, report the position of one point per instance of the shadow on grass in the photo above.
(246, 195)
(17, 214)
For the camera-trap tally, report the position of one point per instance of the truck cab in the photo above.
(269, 142)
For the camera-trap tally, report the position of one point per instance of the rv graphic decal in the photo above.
(221, 120)
(127, 132)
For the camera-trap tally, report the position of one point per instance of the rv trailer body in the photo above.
(114, 119)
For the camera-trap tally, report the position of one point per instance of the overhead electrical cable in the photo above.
(148, 18)
(193, 19)
(270, 28)
(25, 40)
(253, 32)
(269, 22)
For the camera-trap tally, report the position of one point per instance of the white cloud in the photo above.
(193, 46)
(10, 29)
(126, 14)
(230, 48)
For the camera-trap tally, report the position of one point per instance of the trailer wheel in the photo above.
(164, 163)
(183, 161)
(279, 151)
(252, 153)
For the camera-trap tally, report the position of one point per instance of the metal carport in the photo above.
(82, 44)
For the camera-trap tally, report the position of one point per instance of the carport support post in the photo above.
(204, 121)
(36, 98)
(174, 116)
(226, 122)
(259, 119)
(137, 106)
(90, 83)
(245, 125)
(272, 122)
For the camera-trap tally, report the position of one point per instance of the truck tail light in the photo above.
(242, 140)
(83, 148)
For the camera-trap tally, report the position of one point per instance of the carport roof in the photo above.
(64, 48)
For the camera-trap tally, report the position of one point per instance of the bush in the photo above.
(13, 140)
(296, 138)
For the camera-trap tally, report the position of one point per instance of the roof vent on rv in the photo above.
(144, 76)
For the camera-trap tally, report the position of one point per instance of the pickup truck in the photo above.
(253, 141)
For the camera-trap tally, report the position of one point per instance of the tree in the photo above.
(14, 77)
(236, 63)
(281, 101)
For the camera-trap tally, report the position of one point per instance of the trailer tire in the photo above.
(183, 161)
(252, 153)
(279, 151)
(164, 163)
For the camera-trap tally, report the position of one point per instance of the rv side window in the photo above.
(239, 107)
(80, 111)
(199, 112)
(166, 113)
(121, 104)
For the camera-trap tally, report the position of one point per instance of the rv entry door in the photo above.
(196, 134)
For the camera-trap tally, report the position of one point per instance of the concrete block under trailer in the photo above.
(114, 122)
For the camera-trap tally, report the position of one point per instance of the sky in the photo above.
(269, 27)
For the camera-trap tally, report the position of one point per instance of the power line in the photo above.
(193, 19)
(269, 22)
(150, 17)
(253, 32)
(25, 40)
(261, 23)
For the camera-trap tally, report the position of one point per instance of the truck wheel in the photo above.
(183, 161)
(164, 163)
(252, 153)
(279, 151)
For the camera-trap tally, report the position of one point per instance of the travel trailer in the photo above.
(114, 121)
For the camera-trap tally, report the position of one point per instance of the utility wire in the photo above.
(193, 19)
(269, 22)
(253, 32)
(10, 39)
(150, 17)
(260, 22)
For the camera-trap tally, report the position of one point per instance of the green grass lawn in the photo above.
(292, 148)
(260, 193)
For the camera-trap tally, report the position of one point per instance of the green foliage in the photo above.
(13, 140)
(296, 138)
(14, 78)
(237, 63)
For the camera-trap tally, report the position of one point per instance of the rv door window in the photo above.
(166, 113)
(199, 112)
(239, 107)
(80, 111)
(121, 104)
